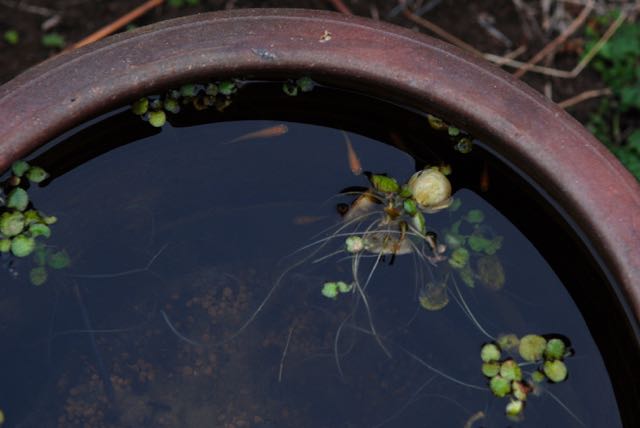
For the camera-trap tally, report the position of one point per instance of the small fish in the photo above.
(484, 178)
(272, 131)
(354, 162)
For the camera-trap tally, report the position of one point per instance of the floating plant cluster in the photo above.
(218, 95)
(461, 140)
(201, 96)
(21, 224)
(506, 375)
(400, 227)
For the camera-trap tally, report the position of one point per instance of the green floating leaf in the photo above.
(453, 131)
(171, 105)
(59, 260)
(455, 205)
(330, 290)
(343, 287)
(490, 369)
(537, 376)
(459, 258)
(532, 347)
(19, 168)
(227, 87)
(354, 244)
(305, 84)
(466, 275)
(490, 352)
(5, 245)
(18, 199)
(490, 272)
(38, 275)
(514, 408)
(555, 370)
(35, 174)
(464, 145)
(520, 390)
(510, 370)
(385, 184)
(500, 386)
(419, 222)
(141, 106)
(290, 89)
(40, 255)
(50, 219)
(433, 296)
(508, 342)
(478, 243)
(555, 349)
(436, 123)
(22, 246)
(474, 216)
(189, 90)
(11, 223)
(157, 118)
(39, 229)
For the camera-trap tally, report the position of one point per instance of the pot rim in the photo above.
(394, 63)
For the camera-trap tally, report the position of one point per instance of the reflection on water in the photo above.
(178, 245)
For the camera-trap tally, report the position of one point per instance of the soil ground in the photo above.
(79, 18)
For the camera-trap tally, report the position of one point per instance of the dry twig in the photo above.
(441, 32)
(564, 74)
(341, 7)
(118, 23)
(553, 45)
(584, 96)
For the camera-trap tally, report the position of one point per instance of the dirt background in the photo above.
(522, 23)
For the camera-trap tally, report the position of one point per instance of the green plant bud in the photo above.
(510, 370)
(19, 168)
(157, 118)
(11, 223)
(490, 352)
(555, 370)
(490, 369)
(459, 258)
(35, 174)
(22, 246)
(38, 275)
(18, 199)
(555, 349)
(500, 386)
(141, 106)
(532, 347)
(384, 184)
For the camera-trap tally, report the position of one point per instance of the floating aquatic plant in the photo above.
(462, 142)
(22, 226)
(154, 108)
(303, 84)
(506, 374)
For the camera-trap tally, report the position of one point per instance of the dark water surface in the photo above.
(178, 237)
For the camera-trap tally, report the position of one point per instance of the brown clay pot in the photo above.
(555, 151)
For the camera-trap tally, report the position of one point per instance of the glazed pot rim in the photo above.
(390, 62)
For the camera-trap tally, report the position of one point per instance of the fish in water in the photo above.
(272, 131)
(354, 162)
